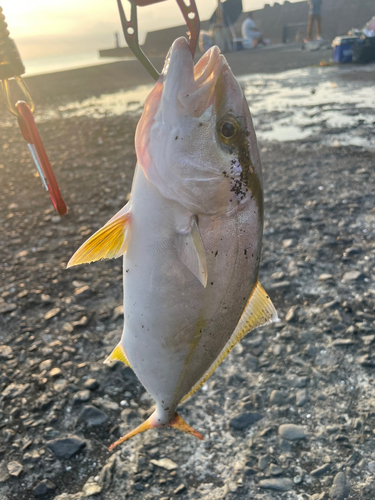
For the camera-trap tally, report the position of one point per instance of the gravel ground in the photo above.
(289, 415)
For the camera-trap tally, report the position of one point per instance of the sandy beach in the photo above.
(290, 414)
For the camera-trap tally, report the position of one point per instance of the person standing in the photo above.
(314, 15)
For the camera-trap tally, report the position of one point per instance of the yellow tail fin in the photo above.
(177, 423)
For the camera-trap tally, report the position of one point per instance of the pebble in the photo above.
(15, 468)
(263, 462)
(14, 390)
(92, 416)
(291, 315)
(277, 484)
(4, 474)
(64, 448)
(52, 313)
(371, 467)
(245, 420)
(352, 276)
(45, 487)
(280, 398)
(92, 488)
(164, 463)
(280, 285)
(55, 372)
(81, 396)
(339, 489)
(83, 292)
(343, 342)
(319, 471)
(297, 382)
(292, 432)
(6, 352)
(325, 277)
(45, 365)
(92, 384)
(275, 470)
(179, 489)
(301, 397)
(5, 308)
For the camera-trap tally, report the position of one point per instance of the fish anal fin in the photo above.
(259, 311)
(151, 423)
(109, 242)
(118, 354)
(191, 251)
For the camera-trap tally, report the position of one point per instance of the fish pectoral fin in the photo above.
(118, 354)
(191, 251)
(151, 423)
(259, 311)
(109, 242)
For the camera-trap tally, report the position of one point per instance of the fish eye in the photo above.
(229, 130)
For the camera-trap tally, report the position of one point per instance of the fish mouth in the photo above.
(193, 87)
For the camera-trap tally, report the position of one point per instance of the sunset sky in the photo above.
(43, 28)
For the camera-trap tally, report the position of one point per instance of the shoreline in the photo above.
(81, 83)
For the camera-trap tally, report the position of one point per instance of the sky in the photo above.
(43, 28)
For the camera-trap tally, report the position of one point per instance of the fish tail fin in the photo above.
(180, 424)
(177, 422)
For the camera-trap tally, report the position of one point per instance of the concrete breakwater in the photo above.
(279, 23)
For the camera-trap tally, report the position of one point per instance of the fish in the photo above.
(190, 235)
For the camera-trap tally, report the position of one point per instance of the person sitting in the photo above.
(250, 34)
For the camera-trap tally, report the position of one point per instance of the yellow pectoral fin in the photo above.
(108, 243)
(118, 354)
(259, 311)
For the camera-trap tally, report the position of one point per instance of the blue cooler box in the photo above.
(343, 48)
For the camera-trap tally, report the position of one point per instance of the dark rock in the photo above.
(249, 471)
(263, 462)
(245, 420)
(92, 416)
(45, 487)
(340, 489)
(64, 448)
(301, 397)
(320, 470)
(298, 382)
(280, 398)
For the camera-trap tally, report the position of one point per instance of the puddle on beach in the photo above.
(287, 106)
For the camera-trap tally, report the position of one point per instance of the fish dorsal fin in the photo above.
(109, 242)
(259, 311)
(191, 251)
(118, 354)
